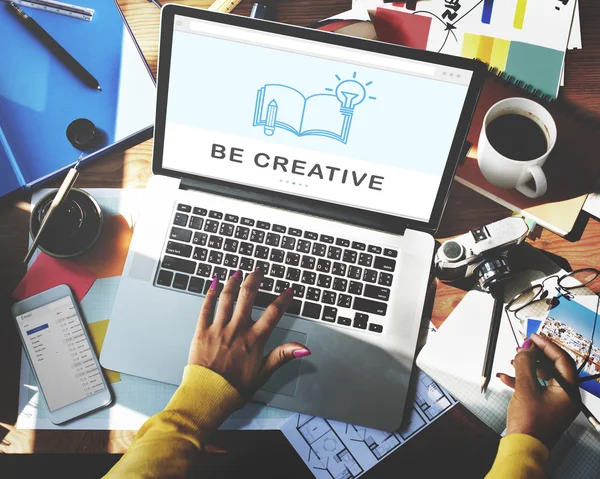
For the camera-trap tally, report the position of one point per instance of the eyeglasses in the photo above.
(566, 285)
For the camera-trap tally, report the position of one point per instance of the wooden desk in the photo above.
(456, 442)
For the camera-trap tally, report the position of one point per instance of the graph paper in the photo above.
(98, 302)
(577, 455)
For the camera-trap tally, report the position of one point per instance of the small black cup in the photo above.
(73, 228)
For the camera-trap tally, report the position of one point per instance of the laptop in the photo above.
(322, 159)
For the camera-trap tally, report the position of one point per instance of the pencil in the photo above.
(224, 6)
(63, 55)
(571, 392)
(497, 292)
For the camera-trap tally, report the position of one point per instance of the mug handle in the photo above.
(541, 185)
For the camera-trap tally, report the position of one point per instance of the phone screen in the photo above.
(60, 353)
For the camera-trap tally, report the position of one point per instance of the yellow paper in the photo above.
(491, 50)
(97, 332)
(499, 54)
(484, 50)
(470, 45)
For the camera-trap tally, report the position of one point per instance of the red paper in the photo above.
(409, 4)
(47, 272)
(402, 28)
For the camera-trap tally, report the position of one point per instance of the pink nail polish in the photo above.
(290, 291)
(237, 274)
(214, 283)
(527, 344)
(301, 353)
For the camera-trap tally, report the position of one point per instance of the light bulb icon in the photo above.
(350, 93)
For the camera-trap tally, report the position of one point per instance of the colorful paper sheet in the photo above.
(47, 272)
(107, 257)
(524, 38)
(402, 28)
(97, 332)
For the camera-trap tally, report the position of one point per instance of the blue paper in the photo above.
(532, 326)
(40, 97)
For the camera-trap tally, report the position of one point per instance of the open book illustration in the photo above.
(323, 114)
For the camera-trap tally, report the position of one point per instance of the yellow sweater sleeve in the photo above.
(519, 456)
(169, 442)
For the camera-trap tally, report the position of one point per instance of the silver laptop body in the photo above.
(204, 218)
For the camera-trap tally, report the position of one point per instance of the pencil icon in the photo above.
(271, 117)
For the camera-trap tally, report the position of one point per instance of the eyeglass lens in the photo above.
(578, 278)
(525, 298)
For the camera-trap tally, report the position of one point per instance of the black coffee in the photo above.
(517, 137)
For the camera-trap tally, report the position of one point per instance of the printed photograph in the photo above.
(571, 326)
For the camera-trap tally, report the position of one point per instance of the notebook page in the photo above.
(577, 455)
(454, 357)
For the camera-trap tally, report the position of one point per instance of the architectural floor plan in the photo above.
(338, 450)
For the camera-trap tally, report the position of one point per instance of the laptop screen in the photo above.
(300, 117)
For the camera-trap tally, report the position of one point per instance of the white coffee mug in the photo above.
(504, 172)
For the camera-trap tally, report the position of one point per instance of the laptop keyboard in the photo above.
(335, 280)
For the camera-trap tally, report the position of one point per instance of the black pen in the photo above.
(155, 2)
(64, 56)
(573, 393)
(490, 351)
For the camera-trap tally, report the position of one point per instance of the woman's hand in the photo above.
(542, 412)
(231, 344)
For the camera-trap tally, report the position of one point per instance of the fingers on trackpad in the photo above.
(285, 379)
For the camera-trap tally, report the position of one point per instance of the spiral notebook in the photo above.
(40, 96)
(572, 168)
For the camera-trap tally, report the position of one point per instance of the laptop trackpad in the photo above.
(285, 379)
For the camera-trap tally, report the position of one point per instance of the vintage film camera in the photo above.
(481, 252)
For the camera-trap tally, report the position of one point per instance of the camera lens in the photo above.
(452, 251)
(492, 271)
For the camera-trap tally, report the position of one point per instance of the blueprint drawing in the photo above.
(338, 450)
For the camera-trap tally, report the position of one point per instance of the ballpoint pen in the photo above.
(56, 48)
(570, 390)
(61, 194)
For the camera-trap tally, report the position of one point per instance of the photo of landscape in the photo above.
(571, 325)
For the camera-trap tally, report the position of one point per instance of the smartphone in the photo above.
(60, 354)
